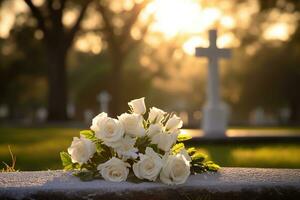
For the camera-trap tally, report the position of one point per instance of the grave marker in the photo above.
(215, 114)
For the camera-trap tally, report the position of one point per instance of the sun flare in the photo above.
(175, 16)
(189, 18)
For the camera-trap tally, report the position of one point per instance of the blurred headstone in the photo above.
(258, 116)
(41, 114)
(104, 99)
(185, 117)
(71, 110)
(285, 114)
(215, 112)
(88, 116)
(4, 111)
(271, 120)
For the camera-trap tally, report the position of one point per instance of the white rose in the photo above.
(95, 122)
(81, 150)
(156, 115)
(176, 169)
(133, 124)
(149, 165)
(125, 148)
(138, 106)
(114, 170)
(174, 123)
(110, 130)
(154, 129)
(165, 140)
(185, 154)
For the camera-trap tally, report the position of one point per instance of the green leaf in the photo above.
(183, 137)
(130, 111)
(76, 166)
(133, 179)
(69, 167)
(88, 134)
(211, 166)
(99, 147)
(65, 159)
(85, 175)
(99, 158)
(191, 151)
(141, 143)
(197, 169)
(146, 124)
(198, 157)
(177, 147)
(154, 147)
(166, 118)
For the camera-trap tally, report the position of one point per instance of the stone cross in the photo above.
(104, 99)
(215, 111)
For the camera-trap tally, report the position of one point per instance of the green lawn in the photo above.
(35, 148)
(271, 155)
(38, 149)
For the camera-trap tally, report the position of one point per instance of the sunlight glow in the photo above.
(175, 16)
(91, 42)
(224, 40)
(188, 17)
(7, 21)
(70, 17)
(116, 6)
(210, 16)
(190, 45)
(8, 13)
(280, 26)
(228, 22)
(227, 40)
(278, 31)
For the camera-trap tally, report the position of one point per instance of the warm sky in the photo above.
(178, 17)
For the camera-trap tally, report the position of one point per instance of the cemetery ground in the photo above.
(38, 149)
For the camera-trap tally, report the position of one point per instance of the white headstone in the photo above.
(258, 116)
(285, 114)
(71, 110)
(4, 111)
(41, 114)
(104, 99)
(215, 112)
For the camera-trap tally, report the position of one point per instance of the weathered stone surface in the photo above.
(229, 183)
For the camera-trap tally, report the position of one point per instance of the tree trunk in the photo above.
(57, 83)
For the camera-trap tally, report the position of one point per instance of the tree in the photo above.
(57, 41)
(268, 74)
(120, 43)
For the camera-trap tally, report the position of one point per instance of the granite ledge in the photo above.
(228, 183)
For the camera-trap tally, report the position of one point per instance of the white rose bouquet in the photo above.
(133, 146)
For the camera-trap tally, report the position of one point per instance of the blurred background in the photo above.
(63, 61)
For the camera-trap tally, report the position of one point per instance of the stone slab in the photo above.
(229, 183)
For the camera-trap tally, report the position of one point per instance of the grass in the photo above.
(271, 155)
(38, 149)
(10, 168)
(35, 148)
